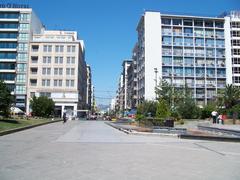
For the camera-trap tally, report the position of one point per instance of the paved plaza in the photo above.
(92, 150)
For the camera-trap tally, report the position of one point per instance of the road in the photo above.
(92, 150)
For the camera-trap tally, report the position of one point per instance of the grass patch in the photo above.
(7, 124)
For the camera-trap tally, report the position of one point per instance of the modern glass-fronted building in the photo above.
(16, 28)
(183, 50)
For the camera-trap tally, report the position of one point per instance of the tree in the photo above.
(207, 110)
(163, 110)
(42, 106)
(6, 100)
(188, 109)
(229, 98)
(147, 108)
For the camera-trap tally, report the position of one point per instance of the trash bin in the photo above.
(169, 123)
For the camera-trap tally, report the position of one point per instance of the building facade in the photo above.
(183, 50)
(57, 69)
(17, 24)
(132, 81)
(89, 88)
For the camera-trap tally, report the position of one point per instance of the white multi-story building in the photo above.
(17, 24)
(234, 18)
(89, 88)
(57, 69)
(190, 50)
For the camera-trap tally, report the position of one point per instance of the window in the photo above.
(235, 42)
(220, 43)
(22, 57)
(177, 41)
(9, 35)
(187, 22)
(166, 21)
(59, 48)
(236, 60)
(47, 48)
(8, 45)
(188, 51)
(236, 79)
(58, 59)
(21, 67)
(235, 33)
(24, 17)
(219, 33)
(236, 51)
(9, 15)
(33, 82)
(235, 24)
(47, 94)
(209, 42)
(166, 30)
(45, 82)
(167, 60)
(35, 48)
(209, 32)
(34, 70)
(178, 61)
(58, 71)
(177, 22)
(198, 23)
(167, 50)
(34, 59)
(46, 71)
(177, 30)
(70, 60)
(199, 41)
(188, 41)
(210, 73)
(57, 82)
(219, 24)
(208, 23)
(188, 31)
(178, 51)
(4, 55)
(166, 40)
(32, 94)
(46, 59)
(199, 32)
(210, 52)
(7, 76)
(69, 83)
(189, 71)
(7, 66)
(23, 47)
(20, 89)
(21, 78)
(9, 25)
(189, 61)
(24, 27)
(71, 48)
(23, 36)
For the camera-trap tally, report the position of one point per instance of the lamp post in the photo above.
(155, 71)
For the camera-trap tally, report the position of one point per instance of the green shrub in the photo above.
(163, 110)
(207, 110)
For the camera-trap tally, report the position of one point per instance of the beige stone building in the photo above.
(57, 69)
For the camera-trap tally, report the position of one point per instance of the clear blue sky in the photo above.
(108, 28)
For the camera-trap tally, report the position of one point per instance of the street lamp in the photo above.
(155, 71)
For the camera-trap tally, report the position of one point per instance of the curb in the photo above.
(210, 138)
(26, 127)
(132, 132)
(216, 129)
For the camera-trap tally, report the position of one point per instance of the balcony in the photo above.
(167, 43)
(188, 54)
(200, 85)
(199, 54)
(220, 45)
(189, 74)
(221, 85)
(210, 65)
(199, 44)
(221, 65)
(167, 52)
(199, 34)
(221, 76)
(178, 53)
(167, 64)
(177, 43)
(177, 33)
(178, 64)
(220, 55)
(167, 33)
(210, 75)
(189, 64)
(210, 55)
(200, 75)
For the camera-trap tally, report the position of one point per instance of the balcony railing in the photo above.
(200, 85)
(200, 95)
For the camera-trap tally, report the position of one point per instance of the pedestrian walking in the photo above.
(64, 118)
(214, 116)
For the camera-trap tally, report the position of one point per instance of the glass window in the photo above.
(72, 71)
(199, 41)
(178, 51)
(68, 71)
(21, 78)
(167, 50)
(209, 32)
(22, 46)
(187, 22)
(189, 61)
(47, 48)
(23, 36)
(166, 40)
(167, 60)
(47, 59)
(178, 61)
(219, 24)
(166, 30)
(208, 23)
(177, 22)
(166, 21)
(24, 27)
(177, 40)
(9, 15)
(9, 35)
(9, 25)
(20, 89)
(198, 23)
(219, 33)
(24, 17)
(199, 32)
(188, 41)
(72, 83)
(21, 67)
(188, 51)
(22, 57)
(209, 42)
(188, 31)
(189, 71)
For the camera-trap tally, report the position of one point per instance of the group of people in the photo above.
(217, 118)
